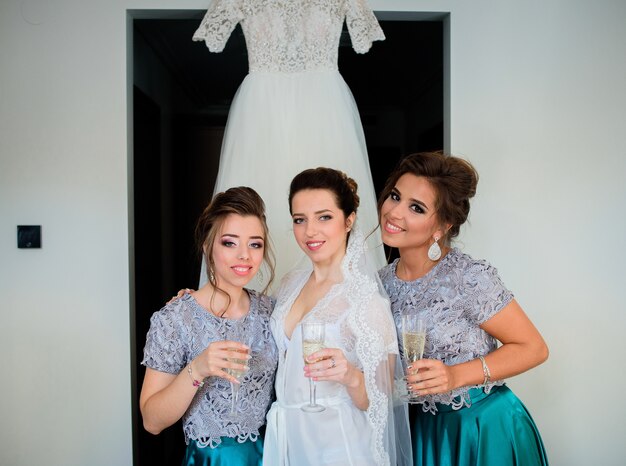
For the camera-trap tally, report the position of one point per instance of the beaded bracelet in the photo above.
(195, 383)
(486, 372)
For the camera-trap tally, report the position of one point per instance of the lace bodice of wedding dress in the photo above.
(290, 35)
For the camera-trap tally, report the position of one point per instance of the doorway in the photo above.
(182, 95)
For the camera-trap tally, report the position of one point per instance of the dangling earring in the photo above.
(259, 275)
(210, 274)
(434, 252)
(207, 264)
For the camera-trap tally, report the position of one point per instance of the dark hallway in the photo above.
(182, 97)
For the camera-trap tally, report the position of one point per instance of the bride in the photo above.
(361, 424)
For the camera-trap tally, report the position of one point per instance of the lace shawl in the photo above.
(181, 331)
(290, 36)
(455, 298)
(369, 342)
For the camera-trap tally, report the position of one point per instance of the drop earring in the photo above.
(259, 275)
(434, 252)
(210, 274)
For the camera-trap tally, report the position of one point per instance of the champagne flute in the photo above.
(237, 333)
(413, 342)
(312, 341)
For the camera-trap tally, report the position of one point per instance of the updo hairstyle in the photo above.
(242, 201)
(453, 179)
(337, 182)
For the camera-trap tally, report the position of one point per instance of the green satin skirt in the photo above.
(496, 430)
(228, 453)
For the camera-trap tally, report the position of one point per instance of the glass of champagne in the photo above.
(413, 342)
(312, 341)
(236, 333)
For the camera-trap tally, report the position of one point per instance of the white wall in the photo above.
(65, 367)
(537, 103)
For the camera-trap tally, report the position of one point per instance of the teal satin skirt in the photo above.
(496, 430)
(228, 453)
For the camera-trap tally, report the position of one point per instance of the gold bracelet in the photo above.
(486, 372)
(195, 383)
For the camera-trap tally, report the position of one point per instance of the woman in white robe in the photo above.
(362, 423)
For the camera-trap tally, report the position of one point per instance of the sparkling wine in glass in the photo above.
(312, 341)
(236, 333)
(413, 342)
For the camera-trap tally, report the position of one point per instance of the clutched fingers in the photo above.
(331, 364)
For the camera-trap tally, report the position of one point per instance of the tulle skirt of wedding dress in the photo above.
(282, 123)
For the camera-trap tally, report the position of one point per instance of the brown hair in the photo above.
(242, 201)
(453, 179)
(337, 182)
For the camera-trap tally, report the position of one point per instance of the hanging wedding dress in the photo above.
(358, 321)
(293, 110)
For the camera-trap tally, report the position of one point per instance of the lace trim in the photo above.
(290, 36)
(461, 400)
(362, 25)
(214, 442)
(218, 24)
(370, 346)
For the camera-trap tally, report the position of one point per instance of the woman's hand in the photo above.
(330, 364)
(522, 348)
(165, 397)
(430, 376)
(180, 294)
(214, 360)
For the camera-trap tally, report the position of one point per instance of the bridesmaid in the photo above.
(465, 415)
(189, 342)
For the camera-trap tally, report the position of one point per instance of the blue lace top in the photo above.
(181, 331)
(455, 298)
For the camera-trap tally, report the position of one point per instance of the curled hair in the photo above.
(453, 179)
(242, 201)
(337, 182)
